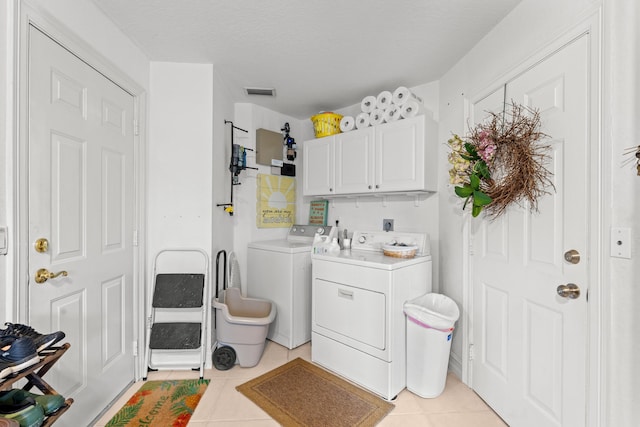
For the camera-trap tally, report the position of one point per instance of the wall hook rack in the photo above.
(237, 164)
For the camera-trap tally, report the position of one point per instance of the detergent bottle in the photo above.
(334, 247)
(319, 245)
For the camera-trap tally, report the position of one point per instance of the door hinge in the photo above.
(471, 352)
(149, 322)
(471, 253)
(136, 128)
(135, 348)
(135, 237)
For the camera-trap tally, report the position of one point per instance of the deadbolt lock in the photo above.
(41, 245)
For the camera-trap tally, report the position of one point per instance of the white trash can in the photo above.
(430, 321)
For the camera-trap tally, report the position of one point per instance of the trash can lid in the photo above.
(435, 310)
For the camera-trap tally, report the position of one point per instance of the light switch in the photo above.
(621, 242)
(4, 241)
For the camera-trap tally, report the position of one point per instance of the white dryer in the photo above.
(280, 271)
(358, 322)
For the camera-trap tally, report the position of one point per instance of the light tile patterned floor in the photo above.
(222, 405)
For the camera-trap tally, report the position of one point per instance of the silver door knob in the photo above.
(570, 290)
(572, 256)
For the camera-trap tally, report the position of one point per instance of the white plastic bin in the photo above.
(430, 321)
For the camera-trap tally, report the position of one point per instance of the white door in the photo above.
(530, 344)
(81, 201)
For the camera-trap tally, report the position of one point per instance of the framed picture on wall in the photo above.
(318, 210)
(276, 201)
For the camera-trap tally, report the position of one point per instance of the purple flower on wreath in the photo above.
(486, 146)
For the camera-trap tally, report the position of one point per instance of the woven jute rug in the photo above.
(302, 394)
(161, 403)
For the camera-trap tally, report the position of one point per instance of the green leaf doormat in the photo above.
(161, 403)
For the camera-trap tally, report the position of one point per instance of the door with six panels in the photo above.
(80, 183)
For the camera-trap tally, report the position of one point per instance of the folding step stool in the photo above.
(177, 321)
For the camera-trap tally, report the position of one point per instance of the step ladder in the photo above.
(177, 320)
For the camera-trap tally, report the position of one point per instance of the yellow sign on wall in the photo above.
(276, 204)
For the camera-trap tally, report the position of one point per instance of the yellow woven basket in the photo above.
(325, 124)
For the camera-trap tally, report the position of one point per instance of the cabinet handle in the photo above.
(377, 186)
(331, 189)
(345, 294)
(369, 187)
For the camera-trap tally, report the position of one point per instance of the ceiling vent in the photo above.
(260, 91)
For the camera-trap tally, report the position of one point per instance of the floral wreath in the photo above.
(501, 162)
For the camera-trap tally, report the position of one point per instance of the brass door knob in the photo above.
(43, 275)
(570, 290)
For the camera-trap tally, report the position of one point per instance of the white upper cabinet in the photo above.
(400, 156)
(354, 161)
(317, 164)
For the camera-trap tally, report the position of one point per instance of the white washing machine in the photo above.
(358, 323)
(280, 271)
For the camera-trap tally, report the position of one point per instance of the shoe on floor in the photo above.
(21, 354)
(49, 402)
(42, 341)
(6, 422)
(18, 405)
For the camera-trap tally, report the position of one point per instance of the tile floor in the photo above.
(222, 405)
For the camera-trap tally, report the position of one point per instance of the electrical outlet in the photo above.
(387, 224)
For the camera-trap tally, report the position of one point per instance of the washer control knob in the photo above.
(320, 230)
(294, 229)
(362, 239)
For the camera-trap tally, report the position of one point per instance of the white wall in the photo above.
(223, 109)
(622, 204)
(179, 206)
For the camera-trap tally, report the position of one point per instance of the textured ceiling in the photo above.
(318, 55)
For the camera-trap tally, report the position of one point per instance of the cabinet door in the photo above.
(318, 167)
(400, 155)
(354, 161)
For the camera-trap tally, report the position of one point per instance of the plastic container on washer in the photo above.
(334, 247)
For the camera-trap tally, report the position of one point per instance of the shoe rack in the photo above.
(33, 375)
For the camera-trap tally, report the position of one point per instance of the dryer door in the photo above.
(351, 313)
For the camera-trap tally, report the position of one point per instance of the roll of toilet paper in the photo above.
(401, 95)
(368, 104)
(410, 109)
(376, 117)
(392, 113)
(362, 120)
(383, 100)
(347, 123)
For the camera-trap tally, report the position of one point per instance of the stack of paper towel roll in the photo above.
(384, 108)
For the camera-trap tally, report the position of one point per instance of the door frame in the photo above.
(595, 352)
(27, 15)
